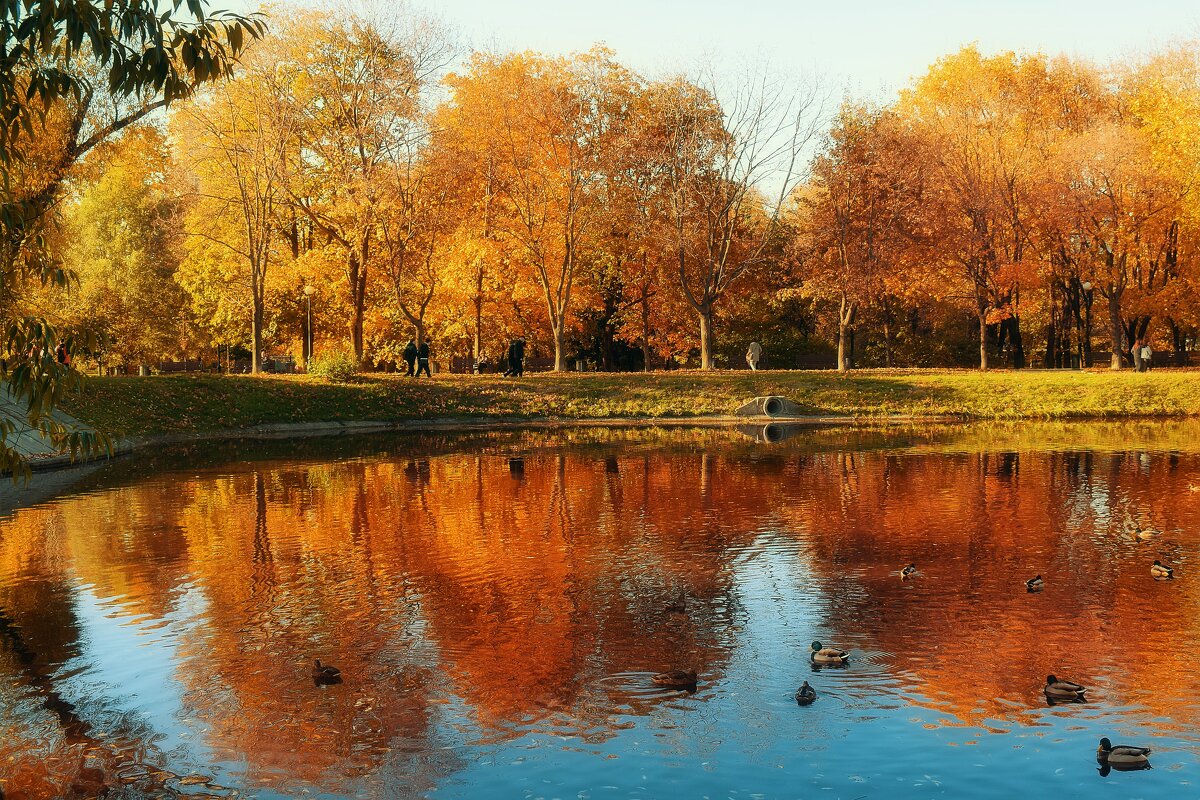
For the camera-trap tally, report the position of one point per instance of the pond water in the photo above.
(498, 603)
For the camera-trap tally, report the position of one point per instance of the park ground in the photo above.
(163, 405)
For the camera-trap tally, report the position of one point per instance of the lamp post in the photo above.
(1085, 341)
(309, 291)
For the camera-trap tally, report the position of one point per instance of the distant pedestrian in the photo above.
(754, 355)
(1136, 353)
(516, 358)
(410, 357)
(511, 358)
(423, 360)
(1147, 356)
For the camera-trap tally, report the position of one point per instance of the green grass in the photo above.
(184, 403)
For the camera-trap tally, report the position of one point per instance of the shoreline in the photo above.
(311, 430)
(156, 411)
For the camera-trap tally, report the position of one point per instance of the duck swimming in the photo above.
(827, 655)
(806, 694)
(324, 674)
(909, 571)
(675, 679)
(1035, 584)
(1159, 571)
(1061, 690)
(1144, 534)
(1122, 754)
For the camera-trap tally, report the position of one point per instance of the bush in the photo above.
(338, 367)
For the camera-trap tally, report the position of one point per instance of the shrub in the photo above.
(338, 367)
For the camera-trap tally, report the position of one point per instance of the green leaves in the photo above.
(142, 49)
(147, 53)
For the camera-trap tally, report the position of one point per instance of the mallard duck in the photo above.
(1056, 689)
(909, 571)
(675, 679)
(827, 655)
(1122, 753)
(325, 674)
(1159, 571)
(1035, 584)
(805, 694)
(679, 606)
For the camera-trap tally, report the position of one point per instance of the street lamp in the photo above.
(309, 291)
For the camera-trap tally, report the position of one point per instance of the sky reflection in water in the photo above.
(499, 602)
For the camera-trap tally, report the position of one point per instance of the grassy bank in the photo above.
(174, 404)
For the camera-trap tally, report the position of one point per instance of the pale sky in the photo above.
(870, 47)
(864, 49)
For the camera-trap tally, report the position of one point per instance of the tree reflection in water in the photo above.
(478, 589)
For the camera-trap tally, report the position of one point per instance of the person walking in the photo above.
(754, 355)
(410, 357)
(516, 358)
(1147, 356)
(1136, 353)
(423, 360)
(511, 358)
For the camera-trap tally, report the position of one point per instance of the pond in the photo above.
(499, 602)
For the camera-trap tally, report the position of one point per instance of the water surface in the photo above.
(498, 603)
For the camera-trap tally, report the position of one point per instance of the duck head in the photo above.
(816, 646)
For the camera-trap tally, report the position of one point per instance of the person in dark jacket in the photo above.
(423, 359)
(511, 357)
(516, 358)
(410, 357)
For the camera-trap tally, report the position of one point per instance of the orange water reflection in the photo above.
(472, 590)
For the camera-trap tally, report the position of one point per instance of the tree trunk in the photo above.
(983, 334)
(645, 331)
(1116, 331)
(887, 339)
(845, 320)
(560, 357)
(1087, 335)
(477, 344)
(358, 298)
(419, 329)
(706, 334)
(1014, 337)
(256, 327)
(607, 336)
(1178, 349)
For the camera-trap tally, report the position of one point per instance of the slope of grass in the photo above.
(183, 403)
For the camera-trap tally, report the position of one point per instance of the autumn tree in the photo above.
(729, 169)
(1125, 211)
(1161, 95)
(122, 244)
(419, 215)
(352, 90)
(542, 126)
(856, 216)
(977, 115)
(238, 146)
(71, 76)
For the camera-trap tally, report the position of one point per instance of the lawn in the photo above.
(183, 403)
